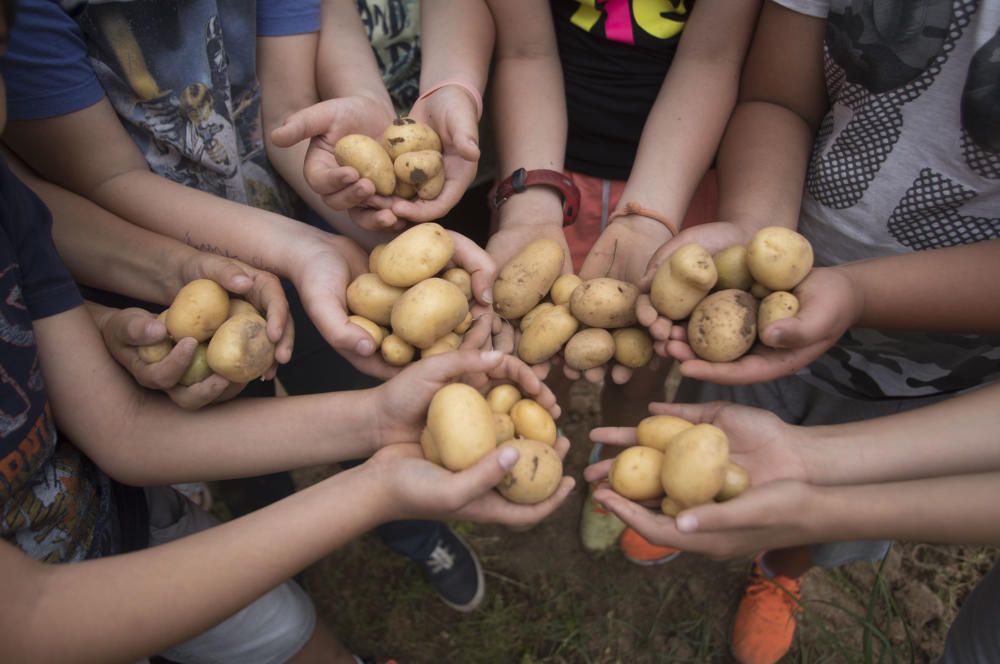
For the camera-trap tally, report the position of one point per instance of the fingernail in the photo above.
(508, 457)
(488, 296)
(687, 523)
(490, 355)
(364, 347)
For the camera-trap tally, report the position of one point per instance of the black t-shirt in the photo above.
(614, 59)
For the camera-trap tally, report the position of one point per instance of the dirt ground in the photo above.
(549, 601)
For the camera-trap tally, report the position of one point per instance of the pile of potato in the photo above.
(463, 427)
(604, 307)
(407, 162)
(752, 290)
(411, 290)
(685, 464)
(231, 334)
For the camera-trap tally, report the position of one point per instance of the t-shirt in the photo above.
(393, 28)
(54, 503)
(615, 55)
(907, 158)
(181, 75)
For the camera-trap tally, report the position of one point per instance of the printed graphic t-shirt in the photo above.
(393, 28)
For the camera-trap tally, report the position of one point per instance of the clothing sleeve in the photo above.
(277, 18)
(46, 69)
(815, 8)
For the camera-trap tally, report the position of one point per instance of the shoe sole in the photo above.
(652, 563)
(477, 599)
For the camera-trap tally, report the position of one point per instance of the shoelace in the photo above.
(441, 559)
(787, 596)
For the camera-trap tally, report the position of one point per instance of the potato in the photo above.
(365, 155)
(527, 278)
(504, 426)
(408, 135)
(670, 507)
(502, 398)
(461, 424)
(464, 326)
(563, 288)
(429, 447)
(460, 278)
(530, 316)
(604, 302)
(377, 333)
(759, 290)
(198, 310)
(428, 311)
(723, 326)
(240, 350)
(430, 189)
(589, 348)
(682, 281)
(547, 334)
(735, 482)
(636, 472)
(445, 344)
(372, 298)
(776, 306)
(731, 265)
(238, 306)
(154, 353)
(633, 347)
(532, 421)
(535, 476)
(404, 189)
(694, 465)
(198, 370)
(414, 255)
(418, 167)
(396, 351)
(657, 430)
(779, 258)
(373, 256)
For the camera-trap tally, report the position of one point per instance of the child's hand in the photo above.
(478, 263)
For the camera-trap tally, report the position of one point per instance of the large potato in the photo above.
(240, 349)
(198, 370)
(527, 278)
(563, 288)
(735, 482)
(365, 155)
(723, 326)
(589, 348)
(198, 310)
(431, 188)
(633, 347)
(530, 316)
(776, 306)
(414, 255)
(779, 258)
(682, 281)
(731, 264)
(694, 465)
(547, 334)
(408, 135)
(418, 167)
(536, 474)
(532, 421)
(461, 424)
(636, 472)
(372, 298)
(657, 431)
(604, 302)
(428, 311)
(238, 306)
(502, 398)
(373, 256)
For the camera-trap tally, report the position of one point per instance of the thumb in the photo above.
(448, 366)
(733, 514)
(141, 330)
(230, 276)
(463, 129)
(809, 326)
(306, 123)
(485, 474)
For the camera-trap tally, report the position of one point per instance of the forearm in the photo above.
(346, 65)
(456, 38)
(140, 603)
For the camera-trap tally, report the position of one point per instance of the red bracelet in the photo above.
(468, 87)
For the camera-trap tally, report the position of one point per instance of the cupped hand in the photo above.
(478, 263)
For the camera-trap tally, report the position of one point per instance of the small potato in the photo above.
(776, 306)
(723, 326)
(589, 348)
(682, 281)
(694, 465)
(461, 424)
(238, 306)
(735, 482)
(759, 290)
(377, 333)
(779, 258)
(535, 476)
(546, 335)
(429, 190)
(154, 353)
(372, 298)
(429, 447)
(636, 472)
(532, 421)
(657, 431)
(604, 302)
(460, 278)
(530, 316)
(563, 288)
(670, 507)
(240, 350)
(408, 135)
(527, 278)
(504, 426)
(633, 347)
(404, 189)
(365, 155)
(373, 257)
(731, 264)
(198, 370)
(414, 255)
(198, 310)
(418, 167)
(502, 398)
(428, 311)
(445, 344)
(464, 326)
(396, 351)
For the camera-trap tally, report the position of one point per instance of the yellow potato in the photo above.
(461, 424)
(535, 476)
(408, 135)
(464, 326)
(589, 348)
(372, 298)
(604, 302)
(533, 422)
(658, 430)
(445, 344)
(670, 507)
(429, 447)
(404, 189)
(198, 310)
(373, 256)
(759, 290)
(723, 326)
(418, 167)
(460, 278)
(776, 306)
(430, 189)
(694, 465)
(428, 311)
(238, 306)
(530, 316)
(198, 370)
(365, 155)
(735, 482)
(731, 264)
(635, 473)
(504, 426)
(396, 351)
(682, 281)
(414, 255)
(547, 334)
(240, 350)
(527, 278)
(154, 353)
(779, 258)
(633, 347)
(502, 398)
(563, 288)
(374, 331)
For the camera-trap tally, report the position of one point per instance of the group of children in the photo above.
(174, 141)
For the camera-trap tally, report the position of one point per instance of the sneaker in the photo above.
(637, 549)
(453, 570)
(599, 528)
(765, 620)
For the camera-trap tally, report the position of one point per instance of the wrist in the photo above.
(646, 227)
(856, 295)
(536, 206)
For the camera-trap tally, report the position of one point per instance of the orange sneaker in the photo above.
(639, 550)
(765, 621)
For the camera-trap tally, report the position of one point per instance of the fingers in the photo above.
(561, 447)
(136, 327)
(645, 521)
(760, 365)
(614, 435)
(620, 374)
(164, 374)
(478, 264)
(310, 121)
(598, 471)
(214, 388)
(485, 474)
(697, 413)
